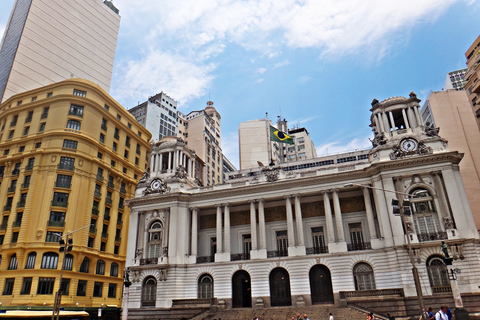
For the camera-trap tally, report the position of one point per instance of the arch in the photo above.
(85, 265)
(68, 262)
(13, 262)
(280, 288)
(100, 269)
(32, 257)
(49, 260)
(437, 275)
(154, 242)
(363, 277)
(426, 220)
(321, 288)
(241, 290)
(149, 292)
(114, 269)
(205, 287)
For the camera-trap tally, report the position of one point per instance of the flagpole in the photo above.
(269, 140)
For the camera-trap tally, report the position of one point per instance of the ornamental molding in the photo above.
(157, 185)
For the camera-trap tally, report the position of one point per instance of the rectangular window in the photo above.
(52, 236)
(14, 121)
(104, 124)
(30, 163)
(74, 125)
(26, 130)
(8, 289)
(66, 163)
(115, 134)
(127, 141)
(76, 110)
(356, 235)
(90, 242)
(103, 246)
(282, 243)
(27, 285)
(318, 239)
(45, 113)
(79, 93)
(82, 288)
(102, 138)
(116, 249)
(125, 154)
(14, 237)
(112, 290)
(49, 95)
(70, 144)
(60, 199)
(38, 145)
(63, 181)
(21, 149)
(65, 286)
(57, 219)
(114, 146)
(11, 133)
(97, 289)
(29, 117)
(45, 285)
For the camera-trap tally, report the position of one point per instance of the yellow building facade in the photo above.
(69, 157)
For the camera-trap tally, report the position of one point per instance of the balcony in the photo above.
(3, 226)
(148, 261)
(95, 211)
(99, 177)
(92, 230)
(29, 167)
(28, 119)
(442, 289)
(21, 204)
(17, 224)
(358, 246)
(60, 224)
(11, 189)
(106, 217)
(110, 184)
(118, 238)
(66, 166)
(7, 207)
(240, 256)
(277, 253)
(122, 190)
(108, 201)
(104, 127)
(432, 236)
(317, 250)
(97, 194)
(15, 172)
(75, 112)
(56, 203)
(205, 259)
(104, 234)
(44, 115)
(65, 185)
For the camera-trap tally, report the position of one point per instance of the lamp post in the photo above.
(402, 204)
(65, 245)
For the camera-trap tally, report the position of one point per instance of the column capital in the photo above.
(261, 200)
(297, 195)
(226, 204)
(436, 173)
(325, 192)
(288, 196)
(397, 178)
(252, 201)
(333, 190)
(194, 208)
(218, 205)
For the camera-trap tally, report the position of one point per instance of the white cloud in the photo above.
(281, 64)
(337, 147)
(304, 79)
(261, 70)
(259, 80)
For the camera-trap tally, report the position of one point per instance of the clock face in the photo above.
(408, 145)
(156, 184)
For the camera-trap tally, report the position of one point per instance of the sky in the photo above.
(316, 63)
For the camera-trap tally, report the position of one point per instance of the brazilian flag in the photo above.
(279, 136)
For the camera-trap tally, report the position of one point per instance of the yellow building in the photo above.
(69, 157)
(473, 85)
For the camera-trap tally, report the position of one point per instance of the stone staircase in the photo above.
(319, 312)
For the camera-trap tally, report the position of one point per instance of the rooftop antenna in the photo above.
(266, 115)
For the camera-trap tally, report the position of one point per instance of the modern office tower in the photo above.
(47, 41)
(456, 79)
(159, 115)
(69, 157)
(450, 110)
(254, 144)
(473, 75)
(311, 233)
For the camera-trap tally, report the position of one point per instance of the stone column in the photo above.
(386, 124)
(379, 122)
(227, 227)
(194, 239)
(261, 224)
(328, 218)
(219, 229)
(369, 211)
(169, 161)
(299, 222)
(152, 163)
(133, 233)
(392, 120)
(383, 211)
(290, 230)
(160, 162)
(338, 217)
(412, 118)
(395, 221)
(443, 209)
(253, 224)
(418, 115)
(405, 119)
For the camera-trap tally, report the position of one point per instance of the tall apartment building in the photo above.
(69, 157)
(473, 75)
(450, 110)
(456, 79)
(254, 144)
(47, 41)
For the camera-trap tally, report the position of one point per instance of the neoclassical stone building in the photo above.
(308, 232)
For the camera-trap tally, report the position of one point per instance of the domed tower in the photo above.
(399, 131)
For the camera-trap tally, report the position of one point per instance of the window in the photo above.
(10, 135)
(116, 248)
(82, 288)
(70, 144)
(14, 120)
(138, 149)
(125, 154)
(76, 110)
(38, 145)
(13, 262)
(32, 256)
(155, 231)
(112, 290)
(205, 287)
(282, 243)
(73, 124)
(114, 146)
(149, 292)
(8, 289)
(112, 163)
(247, 245)
(90, 242)
(68, 262)
(27, 285)
(57, 219)
(437, 275)
(63, 181)
(49, 260)
(65, 286)
(45, 285)
(356, 237)
(363, 277)
(102, 138)
(97, 289)
(99, 155)
(137, 160)
(60, 199)
(79, 93)
(52, 236)
(66, 163)
(45, 113)
(114, 269)
(106, 107)
(127, 141)
(18, 220)
(6, 152)
(100, 267)
(103, 246)
(14, 237)
(34, 99)
(104, 124)
(425, 217)
(26, 130)
(16, 169)
(115, 134)
(30, 163)
(85, 265)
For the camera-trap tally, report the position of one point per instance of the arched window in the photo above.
(73, 124)
(68, 262)
(49, 260)
(32, 256)
(149, 292)
(205, 287)
(425, 217)
(85, 265)
(13, 262)
(437, 275)
(114, 269)
(100, 267)
(363, 276)
(155, 240)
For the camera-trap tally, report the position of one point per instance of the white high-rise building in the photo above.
(456, 79)
(47, 41)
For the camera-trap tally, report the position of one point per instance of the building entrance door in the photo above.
(242, 294)
(321, 285)
(280, 288)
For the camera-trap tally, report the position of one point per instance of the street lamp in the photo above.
(65, 246)
(402, 207)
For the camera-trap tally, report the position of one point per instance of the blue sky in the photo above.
(317, 63)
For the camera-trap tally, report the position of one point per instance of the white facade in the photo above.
(47, 41)
(303, 232)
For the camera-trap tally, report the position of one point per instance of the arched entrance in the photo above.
(242, 294)
(280, 288)
(321, 284)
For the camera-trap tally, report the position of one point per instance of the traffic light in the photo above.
(62, 245)
(396, 207)
(69, 244)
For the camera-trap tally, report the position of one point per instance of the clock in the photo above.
(408, 145)
(156, 184)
